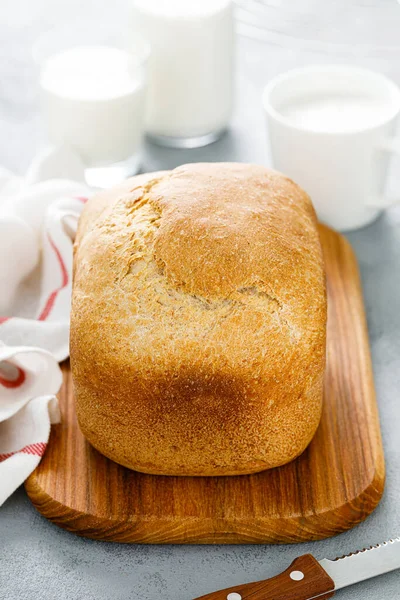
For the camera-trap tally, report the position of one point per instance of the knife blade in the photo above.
(363, 564)
(308, 578)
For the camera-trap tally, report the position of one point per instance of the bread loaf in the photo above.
(198, 321)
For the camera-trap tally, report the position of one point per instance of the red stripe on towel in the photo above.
(37, 449)
(52, 297)
(14, 383)
(64, 273)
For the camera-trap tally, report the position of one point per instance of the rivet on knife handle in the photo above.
(305, 579)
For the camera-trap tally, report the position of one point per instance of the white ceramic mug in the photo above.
(331, 129)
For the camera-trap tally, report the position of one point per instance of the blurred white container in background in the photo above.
(365, 30)
(93, 99)
(191, 68)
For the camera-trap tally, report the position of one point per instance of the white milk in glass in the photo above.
(191, 68)
(94, 103)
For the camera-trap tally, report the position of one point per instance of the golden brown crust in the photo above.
(198, 321)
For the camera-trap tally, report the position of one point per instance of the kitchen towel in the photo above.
(29, 379)
(38, 221)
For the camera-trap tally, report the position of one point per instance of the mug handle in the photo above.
(393, 146)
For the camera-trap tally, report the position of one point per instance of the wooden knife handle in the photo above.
(303, 580)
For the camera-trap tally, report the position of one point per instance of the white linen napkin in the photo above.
(38, 220)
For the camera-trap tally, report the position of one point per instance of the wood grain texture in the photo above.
(316, 583)
(336, 483)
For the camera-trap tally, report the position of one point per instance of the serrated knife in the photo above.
(308, 578)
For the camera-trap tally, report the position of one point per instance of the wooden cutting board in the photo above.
(331, 487)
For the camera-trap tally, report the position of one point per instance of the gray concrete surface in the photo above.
(38, 560)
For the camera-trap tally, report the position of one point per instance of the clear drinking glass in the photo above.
(93, 90)
(291, 34)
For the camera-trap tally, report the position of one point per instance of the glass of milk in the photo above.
(190, 70)
(93, 89)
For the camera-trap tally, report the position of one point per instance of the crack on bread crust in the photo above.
(141, 259)
(139, 216)
(141, 206)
